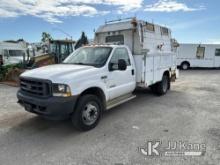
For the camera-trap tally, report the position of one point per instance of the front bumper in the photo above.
(52, 107)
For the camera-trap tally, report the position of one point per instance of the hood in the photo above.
(55, 72)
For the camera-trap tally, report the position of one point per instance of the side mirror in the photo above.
(122, 65)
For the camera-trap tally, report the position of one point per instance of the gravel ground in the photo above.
(189, 112)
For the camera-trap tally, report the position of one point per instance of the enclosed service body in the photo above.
(152, 46)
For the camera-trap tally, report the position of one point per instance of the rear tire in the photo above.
(154, 88)
(163, 86)
(87, 113)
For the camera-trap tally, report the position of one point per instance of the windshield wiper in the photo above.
(76, 63)
(80, 63)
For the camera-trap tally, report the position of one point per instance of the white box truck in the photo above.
(198, 55)
(99, 77)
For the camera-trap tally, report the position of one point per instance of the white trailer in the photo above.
(198, 55)
(11, 53)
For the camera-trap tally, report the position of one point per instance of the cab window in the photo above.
(119, 53)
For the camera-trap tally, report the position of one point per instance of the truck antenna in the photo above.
(62, 31)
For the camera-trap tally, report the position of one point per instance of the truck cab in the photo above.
(93, 79)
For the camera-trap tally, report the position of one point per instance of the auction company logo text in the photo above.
(172, 148)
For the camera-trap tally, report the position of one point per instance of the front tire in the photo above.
(87, 113)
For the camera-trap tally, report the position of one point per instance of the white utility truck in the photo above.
(198, 55)
(11, 53)
(99, 77)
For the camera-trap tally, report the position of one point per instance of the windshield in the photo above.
(94, 56)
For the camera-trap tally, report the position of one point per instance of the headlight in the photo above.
(61, 90)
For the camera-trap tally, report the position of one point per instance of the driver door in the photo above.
(120, 82)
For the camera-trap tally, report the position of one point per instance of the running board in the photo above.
(120, 100)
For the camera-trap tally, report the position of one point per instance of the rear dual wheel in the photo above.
(162, 87)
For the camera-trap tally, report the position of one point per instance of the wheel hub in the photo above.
(90, 114)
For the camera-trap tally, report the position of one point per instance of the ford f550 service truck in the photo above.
(99, 77)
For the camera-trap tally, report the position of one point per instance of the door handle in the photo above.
(132, 72)
(104, 77)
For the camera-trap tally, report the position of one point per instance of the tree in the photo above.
(82, 41)
(46, 36)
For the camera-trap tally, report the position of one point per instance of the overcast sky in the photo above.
(190, 20)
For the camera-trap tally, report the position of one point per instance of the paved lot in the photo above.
(189, 112)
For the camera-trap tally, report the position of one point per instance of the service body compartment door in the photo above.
(144, 70)
(149, 70)
(139, 64)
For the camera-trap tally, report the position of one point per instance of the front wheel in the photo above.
(87, 113)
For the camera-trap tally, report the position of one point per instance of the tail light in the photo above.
(1, 60)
